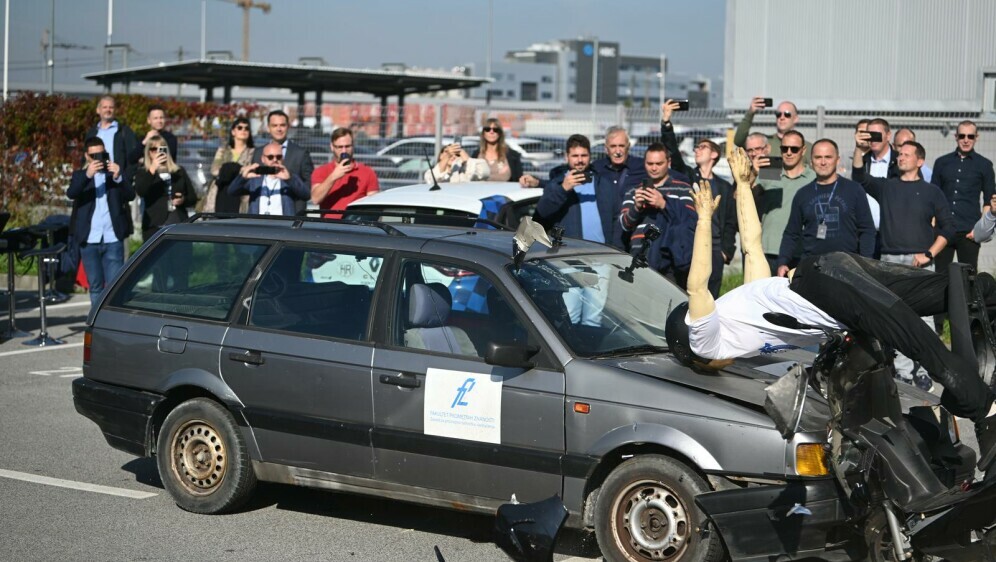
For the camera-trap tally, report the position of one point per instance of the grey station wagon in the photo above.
(421, 363)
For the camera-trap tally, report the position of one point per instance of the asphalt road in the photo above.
(41, 435)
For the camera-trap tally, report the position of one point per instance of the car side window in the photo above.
(318, 293)
(449, 309)
(189, 278)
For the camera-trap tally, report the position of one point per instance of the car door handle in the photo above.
(247, 357)
(406, 381)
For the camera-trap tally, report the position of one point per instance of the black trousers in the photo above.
(886, 301)
(968, 252)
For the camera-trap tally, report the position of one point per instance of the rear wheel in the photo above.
(202, 458)
(645, 511)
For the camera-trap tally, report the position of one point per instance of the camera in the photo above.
(267, 170)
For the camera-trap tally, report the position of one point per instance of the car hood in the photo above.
(742, 383)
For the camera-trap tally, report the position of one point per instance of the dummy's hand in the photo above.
(741, 166)
(705, 204)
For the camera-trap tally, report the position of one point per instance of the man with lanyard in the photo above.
(297, 160)
(831, 214)
(837, 290)
(270, 194)
(585, 206)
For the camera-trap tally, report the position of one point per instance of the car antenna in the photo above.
(435, 184)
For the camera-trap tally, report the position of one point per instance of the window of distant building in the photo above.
(546, 79)
(546, 96)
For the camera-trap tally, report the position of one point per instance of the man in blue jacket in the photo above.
(101, 220)
(270, 194)
(579, 200)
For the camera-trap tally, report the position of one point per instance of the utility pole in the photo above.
(246, 5)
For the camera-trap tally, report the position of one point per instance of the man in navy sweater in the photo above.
(911, 208)
(829, 215)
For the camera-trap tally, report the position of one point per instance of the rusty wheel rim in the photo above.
(199, 458)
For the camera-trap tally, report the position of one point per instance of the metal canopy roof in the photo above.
(296, 77)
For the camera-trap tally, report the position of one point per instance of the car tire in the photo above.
(202, 458)
(646, 511)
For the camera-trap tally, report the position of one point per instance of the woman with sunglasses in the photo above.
(228, 160)
(505, 163)
(164, 187)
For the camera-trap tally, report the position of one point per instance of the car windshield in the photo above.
(599, 306)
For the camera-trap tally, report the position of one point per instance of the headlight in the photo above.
(810, 460)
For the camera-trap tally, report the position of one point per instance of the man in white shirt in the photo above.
(835, 290)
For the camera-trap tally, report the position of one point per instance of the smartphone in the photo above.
(162, 150)
(876, 136)
(267, 170)
(104, 158)
(682, 105)
(769, 102)
(345, 159)
(647, 183)
(584, 175)
(773, 171)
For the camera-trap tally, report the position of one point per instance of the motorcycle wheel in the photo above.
(646, 512)
(879, 541)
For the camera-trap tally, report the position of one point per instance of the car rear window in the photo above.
(201, 279)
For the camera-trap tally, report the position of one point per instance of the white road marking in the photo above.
(72, 376)
(58, 371)
(46, 348)
(73, 485)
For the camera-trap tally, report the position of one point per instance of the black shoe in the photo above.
(985, 432)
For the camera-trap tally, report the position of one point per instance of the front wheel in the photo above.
(202, 458)
(645, 511)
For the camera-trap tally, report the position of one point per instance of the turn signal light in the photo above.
(582, 407)
(87, 338)
(810, 460)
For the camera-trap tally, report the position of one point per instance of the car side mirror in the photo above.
(510, 355)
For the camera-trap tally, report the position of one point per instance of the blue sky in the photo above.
(362, 33)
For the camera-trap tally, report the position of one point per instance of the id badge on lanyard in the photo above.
(821, 231)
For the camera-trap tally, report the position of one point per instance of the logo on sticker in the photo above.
(462, 392)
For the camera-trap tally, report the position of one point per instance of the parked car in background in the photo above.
(196, 156)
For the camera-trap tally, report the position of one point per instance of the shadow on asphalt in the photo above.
(368, 509)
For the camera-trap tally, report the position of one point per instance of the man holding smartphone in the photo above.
(666, 202)
(295, 158)
(724, 219)
(271, 188)
(581, 201)
(878, 159)
(337, 184)
(786, 118)
(101, 221)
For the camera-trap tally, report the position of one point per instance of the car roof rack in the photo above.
(431, 218)
(300, 220)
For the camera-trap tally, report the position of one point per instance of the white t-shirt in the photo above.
(737, 328)
(270, 202)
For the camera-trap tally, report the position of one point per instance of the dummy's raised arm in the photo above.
(700, 301)
(755, 265)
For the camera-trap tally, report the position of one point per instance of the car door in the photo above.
(301, 360)
(443, 418)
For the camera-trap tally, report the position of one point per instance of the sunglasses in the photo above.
(792, 149)
(785, 114)
(491, 129)
(242, 127)
(274, 156)
(962, 136)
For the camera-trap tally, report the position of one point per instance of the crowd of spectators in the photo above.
(893, 207)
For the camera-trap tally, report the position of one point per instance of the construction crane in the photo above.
(247, 5)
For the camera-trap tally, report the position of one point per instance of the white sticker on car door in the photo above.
(462, 405)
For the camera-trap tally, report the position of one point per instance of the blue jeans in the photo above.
(102, 262)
